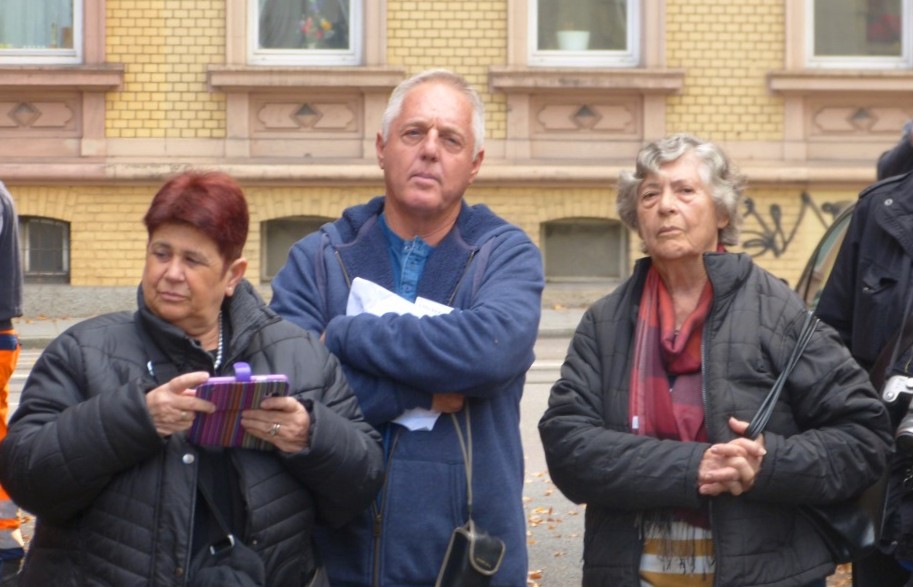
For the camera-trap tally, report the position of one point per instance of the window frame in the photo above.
(586, 226)
(904, 61)
(53, 56)
(308, 57)
(32, 276)
(630, 57)
(307, 222)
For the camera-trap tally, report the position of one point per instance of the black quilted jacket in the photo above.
(115, 502)
(827, 439)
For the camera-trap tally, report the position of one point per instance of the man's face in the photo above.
(427, 160)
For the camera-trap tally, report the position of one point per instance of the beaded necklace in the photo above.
(218, 361)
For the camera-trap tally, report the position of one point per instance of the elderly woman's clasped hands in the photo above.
(733, 466)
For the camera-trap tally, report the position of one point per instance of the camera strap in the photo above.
(466, 448)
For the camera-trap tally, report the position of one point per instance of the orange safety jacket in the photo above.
(10, 538)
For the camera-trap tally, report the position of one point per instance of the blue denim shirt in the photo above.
(408, 258)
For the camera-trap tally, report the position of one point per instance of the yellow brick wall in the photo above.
(108, 238)
(465, 36)
(780, 234)
(165, 46)
(784, 227)
(726, 48)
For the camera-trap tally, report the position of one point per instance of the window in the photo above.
(45, 245)
(305, 32)
(584, 32)
(821, 262)
(279, 235)
(47, 31)
(859, 33)
(583, 249)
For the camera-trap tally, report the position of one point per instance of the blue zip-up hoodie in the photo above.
(491, 273)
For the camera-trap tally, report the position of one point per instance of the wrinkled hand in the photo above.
(447, 403)
(282, 421)
(731, 467)
(174, 405)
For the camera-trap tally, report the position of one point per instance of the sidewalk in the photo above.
(36, 333)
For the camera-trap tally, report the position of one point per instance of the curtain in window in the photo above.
(858, 28)
(604, 21)
(304, 24)
(42, 24)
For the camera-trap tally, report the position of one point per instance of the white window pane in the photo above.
(872, 34)
(31, 24)
(41, 31)
(306, 31)
(602, 33)
(600, 25)
(866, 28)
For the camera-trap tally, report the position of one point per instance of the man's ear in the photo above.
(476, 165)
(379, 147)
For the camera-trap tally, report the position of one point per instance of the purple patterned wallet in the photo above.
(232, 395)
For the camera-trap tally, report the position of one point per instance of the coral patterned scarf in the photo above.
(665, 399)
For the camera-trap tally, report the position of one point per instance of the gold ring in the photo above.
(274, 430)
(185, 415)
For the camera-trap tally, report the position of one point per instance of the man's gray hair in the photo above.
(724, 183)
(395, 104)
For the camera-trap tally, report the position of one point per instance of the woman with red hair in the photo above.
(99, 446)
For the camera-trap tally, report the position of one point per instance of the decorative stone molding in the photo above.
(832, 114)
(51, 105)
(326, 112)
(574, 113)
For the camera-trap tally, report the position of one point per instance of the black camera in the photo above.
(897, 393)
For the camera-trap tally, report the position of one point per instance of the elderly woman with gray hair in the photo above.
(647, 423)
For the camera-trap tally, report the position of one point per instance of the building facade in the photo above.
(101, 100)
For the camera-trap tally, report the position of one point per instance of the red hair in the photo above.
(212, 202)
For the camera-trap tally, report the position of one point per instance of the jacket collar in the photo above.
(726, 271)
(362, 248)
(245, 312)
(892, 208)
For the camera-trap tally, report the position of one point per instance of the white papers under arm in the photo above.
(367, 297)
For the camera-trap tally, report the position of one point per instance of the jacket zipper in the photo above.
(377, 509)
(706, 402)
(706, 411)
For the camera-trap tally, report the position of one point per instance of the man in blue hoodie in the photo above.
(422, 240)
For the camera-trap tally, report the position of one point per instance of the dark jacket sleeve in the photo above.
(495, 334)
(830, 435)
(835, 307)
(343, 463)
(828, 438)
(592, 456)
(72, 438)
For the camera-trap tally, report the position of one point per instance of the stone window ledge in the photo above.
(809, 81)
(540, 79)
(234, 78)
(85, 78)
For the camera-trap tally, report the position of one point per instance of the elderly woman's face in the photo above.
(676, 216)
(185, 278)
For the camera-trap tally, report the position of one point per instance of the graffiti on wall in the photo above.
(772, 236)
